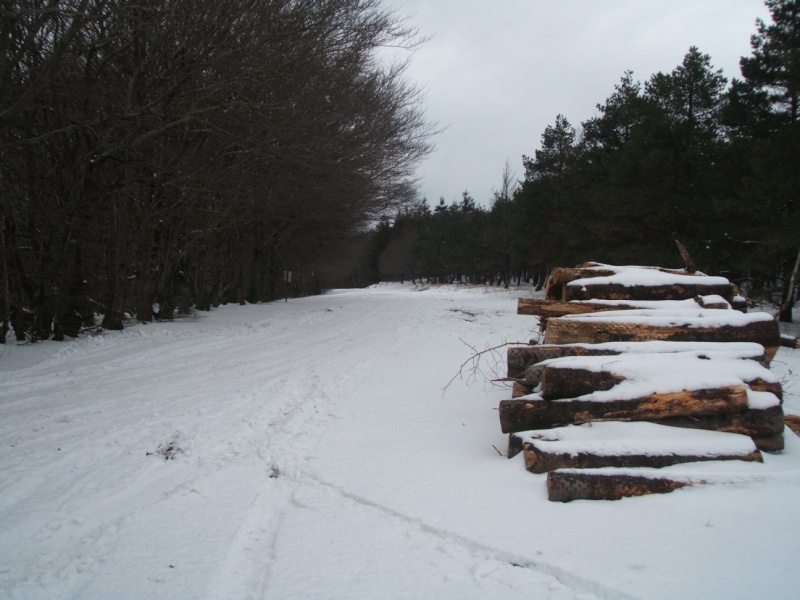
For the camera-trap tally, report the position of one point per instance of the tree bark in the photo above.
(566, 486)
(785, 310)
(538, 459)
(560, 277)
(570, 383)
(765, 425)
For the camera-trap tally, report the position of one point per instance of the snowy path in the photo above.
(313, 455)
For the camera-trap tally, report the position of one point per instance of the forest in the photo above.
(159, 156)
(685, 155)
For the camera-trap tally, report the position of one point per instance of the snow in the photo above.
(630, 276)
(313, 454)
(641, 439)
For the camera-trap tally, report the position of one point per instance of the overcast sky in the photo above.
(497, 72)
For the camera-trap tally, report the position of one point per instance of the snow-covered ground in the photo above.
(307, 450)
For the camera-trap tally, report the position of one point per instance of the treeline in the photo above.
(686, 155)
(162, 154)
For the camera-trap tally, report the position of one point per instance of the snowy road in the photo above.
(312, 454)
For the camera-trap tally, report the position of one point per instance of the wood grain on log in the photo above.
(597, 330)
(520, 389)
(524, 414)
(556, 308)
(565, 486)
(793, 422)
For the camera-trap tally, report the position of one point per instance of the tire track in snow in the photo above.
(256, 399)
(552, 581)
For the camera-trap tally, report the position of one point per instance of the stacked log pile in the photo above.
(641, 368)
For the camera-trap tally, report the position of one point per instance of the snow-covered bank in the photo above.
(313, 454)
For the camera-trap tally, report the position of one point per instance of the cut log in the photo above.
(520, 389)
(629, 374)
(569, 485)
(769, 443)
(520, 359)
(699, 326)
(594, 281)
(554, 286)
(712, 302)
(793, 422)
(788, 341)
(763, 425)
(536, 413)
(615, 444)
(586, 289)
(641, 283)
(559, 382)
(556, 308)
(739, 303)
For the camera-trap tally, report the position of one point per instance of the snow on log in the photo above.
(519, 359)
(704, 325)
(596, 281)
(646, 283)
(572, 484)
(615, 444)
(534, 412)
(602, 378)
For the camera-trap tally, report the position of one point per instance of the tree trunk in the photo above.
(785, 309)
(5, 317)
